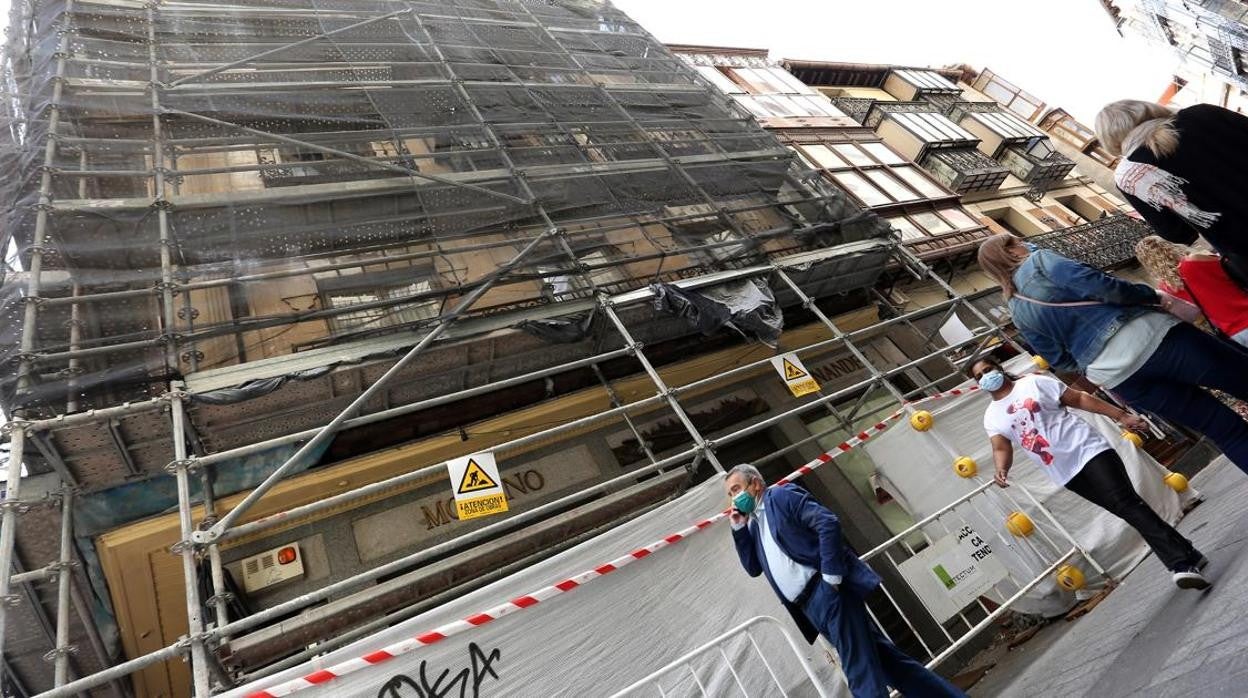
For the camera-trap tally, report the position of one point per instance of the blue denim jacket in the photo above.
(1070, 338)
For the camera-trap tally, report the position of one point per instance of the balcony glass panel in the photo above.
(932, 223)
(892, 186)
(853, 154)
(883, 153)
(718, 79)
(921, 183)
(855, 184)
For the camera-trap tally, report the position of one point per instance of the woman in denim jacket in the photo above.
(1114, 332)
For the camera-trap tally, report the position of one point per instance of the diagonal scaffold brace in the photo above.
(207, 536)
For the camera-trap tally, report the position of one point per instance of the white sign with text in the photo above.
(952, 572)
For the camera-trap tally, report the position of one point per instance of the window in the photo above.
(853, 154)
(932, 223)
(789, 105)
(754, 105)
(1007, 125)
(960, 219)
(932, 128)
(375, 282)
(857, 185)
(385, 315)
(789, 79)
(918, 226)
(718, 79)
(920, 182)
(560, 281)
(825, 156)
(909, 231)
(727, 244)
(891, 186)
(872, 172)
(726, 252)
(883, 153)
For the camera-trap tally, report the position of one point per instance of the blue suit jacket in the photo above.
(810, 534)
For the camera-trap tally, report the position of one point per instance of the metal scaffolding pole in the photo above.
(64, 573)
(190, 567)
(13, 475)
(217, 529)
(348, 156)
(483, 533)
(220, 598)
(700, 444)
(264, 54)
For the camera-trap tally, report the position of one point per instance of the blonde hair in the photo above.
(1161, 260)
(996, 259)
(1127, 124)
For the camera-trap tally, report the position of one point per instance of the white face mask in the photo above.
(992, 380)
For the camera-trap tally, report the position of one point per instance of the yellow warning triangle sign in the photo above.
(475, 479)
(791, 372)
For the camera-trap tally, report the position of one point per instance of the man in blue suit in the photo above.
(783, 533)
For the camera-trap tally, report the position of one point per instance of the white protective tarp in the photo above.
(601, 637)
(919, 468)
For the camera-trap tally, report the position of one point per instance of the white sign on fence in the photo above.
(952, 572)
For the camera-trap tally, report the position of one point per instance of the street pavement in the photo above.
(1149, 638)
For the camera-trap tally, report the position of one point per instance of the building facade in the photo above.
(1209, 38)
(271, 266)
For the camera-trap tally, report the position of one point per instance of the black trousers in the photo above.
(1104, 482)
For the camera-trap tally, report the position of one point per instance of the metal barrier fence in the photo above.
(1044, 550)
(681, 676)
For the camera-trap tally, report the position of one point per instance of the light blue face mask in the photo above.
(992, 380)
(744, 502)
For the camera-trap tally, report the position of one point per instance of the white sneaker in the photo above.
(1189, 577)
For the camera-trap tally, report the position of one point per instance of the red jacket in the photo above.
(1220, 298)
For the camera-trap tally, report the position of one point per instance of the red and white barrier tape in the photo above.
(410, 644)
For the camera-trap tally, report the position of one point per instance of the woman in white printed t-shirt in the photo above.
(1032, 412)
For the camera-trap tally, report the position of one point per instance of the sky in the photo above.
(1065, 52)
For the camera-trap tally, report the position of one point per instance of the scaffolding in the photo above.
(213, 211)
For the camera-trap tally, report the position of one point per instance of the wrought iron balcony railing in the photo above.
(1104, 244)
(965, 169)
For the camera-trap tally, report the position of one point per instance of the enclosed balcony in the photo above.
(996, 128)
(915, 128)
(965, 170)
(908, 84)
(1039, 164)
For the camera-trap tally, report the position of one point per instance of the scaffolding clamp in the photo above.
(20, 506)
(171, 395)
(222, 597)
(57, 652)
(13, 425)
(191, 465)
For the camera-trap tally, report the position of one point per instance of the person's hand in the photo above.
(737, 518)
(1134, 422)
(999, 478)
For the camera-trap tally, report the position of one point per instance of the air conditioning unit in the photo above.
(272, 567)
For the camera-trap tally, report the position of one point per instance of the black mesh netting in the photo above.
(193, 186)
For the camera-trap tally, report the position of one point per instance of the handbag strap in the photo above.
(1067, 304)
